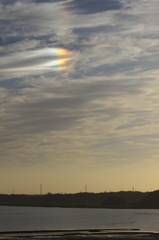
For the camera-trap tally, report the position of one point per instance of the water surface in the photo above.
(40, 218)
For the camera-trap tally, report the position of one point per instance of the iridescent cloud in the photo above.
(43, 60)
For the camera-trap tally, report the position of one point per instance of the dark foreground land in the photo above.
(111, 199)
(86, 234)
(120, 199)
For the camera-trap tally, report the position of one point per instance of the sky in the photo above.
(79, 96)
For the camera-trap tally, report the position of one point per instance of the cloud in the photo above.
(105, 105)
(65, 106)
(93, 6)
(28, 18)
(20, 45)
(35, 62)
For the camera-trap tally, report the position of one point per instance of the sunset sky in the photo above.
(79, 95)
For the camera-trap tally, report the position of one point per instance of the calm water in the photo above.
(35, 218)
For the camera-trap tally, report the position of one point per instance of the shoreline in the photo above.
(80, 234)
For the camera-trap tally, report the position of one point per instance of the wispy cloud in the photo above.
(34, 62)
(101, 110)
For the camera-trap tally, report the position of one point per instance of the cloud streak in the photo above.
(34, 61)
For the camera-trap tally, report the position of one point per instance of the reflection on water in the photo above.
(35, 218)
(121, 223)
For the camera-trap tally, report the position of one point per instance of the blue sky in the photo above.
(91, 121)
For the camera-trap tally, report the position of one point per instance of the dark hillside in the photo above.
(68, 200)
(151, 200)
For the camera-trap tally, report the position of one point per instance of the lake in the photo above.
(41, 218)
